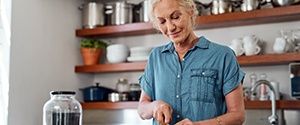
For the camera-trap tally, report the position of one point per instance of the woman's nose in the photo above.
(171, 26)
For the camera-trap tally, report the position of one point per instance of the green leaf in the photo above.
(93, 43)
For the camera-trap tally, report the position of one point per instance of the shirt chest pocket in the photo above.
(202, 83)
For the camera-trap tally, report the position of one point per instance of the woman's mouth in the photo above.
(174, 34)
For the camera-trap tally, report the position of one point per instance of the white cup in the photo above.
(251, 49)
(251, 39)
(237, 42)
(238, 50)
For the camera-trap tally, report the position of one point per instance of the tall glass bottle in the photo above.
(253, 80)
(263, 87)
(62, 109)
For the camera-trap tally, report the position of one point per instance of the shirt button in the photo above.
(203, 73)
(178, 76)
(178, 116)
(183, 59)
(177, 96)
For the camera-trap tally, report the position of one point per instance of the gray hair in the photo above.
(187, 4)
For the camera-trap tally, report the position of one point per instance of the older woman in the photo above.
(191, 80)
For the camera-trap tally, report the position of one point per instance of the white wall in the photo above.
(44, 52)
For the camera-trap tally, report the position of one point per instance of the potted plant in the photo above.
(91, 50)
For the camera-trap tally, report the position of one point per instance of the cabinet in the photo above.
(272, 15)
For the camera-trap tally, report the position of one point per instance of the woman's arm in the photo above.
(235, 108)
(235, 111)
(159, 110)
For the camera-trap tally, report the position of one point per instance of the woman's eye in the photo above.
(162, 21)
(176, 17)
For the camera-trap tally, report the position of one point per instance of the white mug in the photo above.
(238, 50)
(237, 42)
(251, 39)
(251, 49)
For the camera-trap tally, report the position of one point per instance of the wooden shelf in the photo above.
(281, 104)
(110, 105)
(262, 16)
(267, 59)
(119, 67)
(256, 60)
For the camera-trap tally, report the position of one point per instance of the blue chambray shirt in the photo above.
(195, 87)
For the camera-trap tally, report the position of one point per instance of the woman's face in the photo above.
(173, 20)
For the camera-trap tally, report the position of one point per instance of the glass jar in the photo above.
(62, 109)
(135, 91)
(122, 86)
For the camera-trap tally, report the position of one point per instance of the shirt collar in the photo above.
(202, 43)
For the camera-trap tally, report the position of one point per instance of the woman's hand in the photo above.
(185, 121)
(162, 112)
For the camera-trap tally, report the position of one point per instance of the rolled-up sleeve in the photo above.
(146, 86)
(233, 74)
(146, 80)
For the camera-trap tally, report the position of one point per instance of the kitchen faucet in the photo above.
(273, 118)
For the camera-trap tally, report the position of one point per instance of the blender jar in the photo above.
(62, 109)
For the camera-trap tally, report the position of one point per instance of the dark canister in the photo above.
(62, 109)
(135, 91)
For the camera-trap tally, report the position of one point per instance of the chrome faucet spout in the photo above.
(273, 118)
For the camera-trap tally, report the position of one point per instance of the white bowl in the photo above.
(117, 47)
(116, 58)
(117, 53)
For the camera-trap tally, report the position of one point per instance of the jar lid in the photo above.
(122, 80)
(62, 92)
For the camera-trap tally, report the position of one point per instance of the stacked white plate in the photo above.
(138, 54)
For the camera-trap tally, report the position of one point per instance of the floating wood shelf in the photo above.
(269, 59)
(119, 67)
(110, 105)
(281, 104)
(261, 16)
(256, 60)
